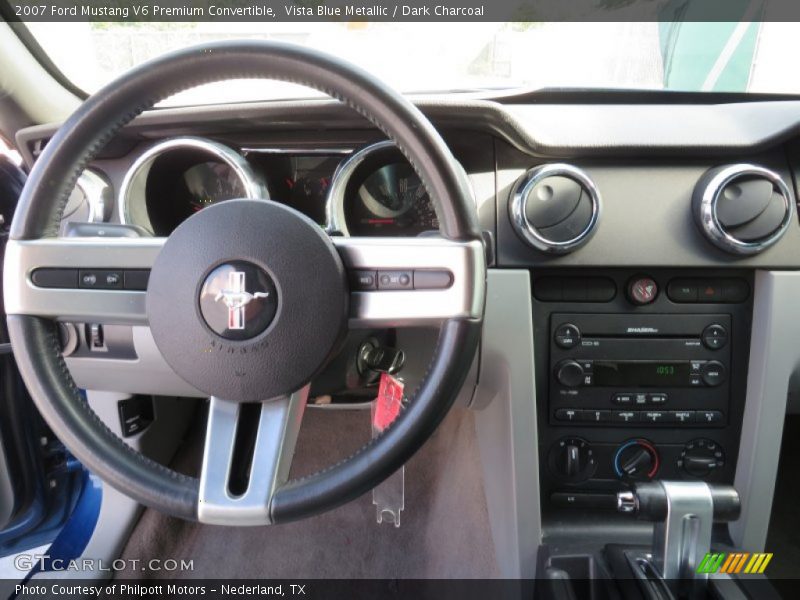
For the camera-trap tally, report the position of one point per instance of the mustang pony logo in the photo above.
(236, 298)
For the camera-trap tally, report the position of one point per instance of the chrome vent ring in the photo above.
(742, 209)
(555, 208)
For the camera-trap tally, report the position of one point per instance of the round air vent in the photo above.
(743, 209)
(555, 208)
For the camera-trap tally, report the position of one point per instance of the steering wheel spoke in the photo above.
(247, 456)
(50, 277)
(414, 281)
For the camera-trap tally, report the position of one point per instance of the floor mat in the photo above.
(444, 530)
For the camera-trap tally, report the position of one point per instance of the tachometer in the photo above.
(377, 193)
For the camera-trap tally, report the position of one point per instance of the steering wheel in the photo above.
(247, 300)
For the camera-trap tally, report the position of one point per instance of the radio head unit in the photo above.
(646, 370)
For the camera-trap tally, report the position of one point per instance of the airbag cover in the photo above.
(291, 288)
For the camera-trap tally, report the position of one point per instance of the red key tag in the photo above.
(388, 402)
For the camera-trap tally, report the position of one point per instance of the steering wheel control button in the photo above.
(567, 336)
(100, 279)
(714, 337)
(251, 337)
(55, 278)
(432, 279)
(238, 300)
(395, 280)
(713, 373)
(136, 279)
(642, 290)
(363, 280)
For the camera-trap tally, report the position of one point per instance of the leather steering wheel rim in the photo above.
(77, 142)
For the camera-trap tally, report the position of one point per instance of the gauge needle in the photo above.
(380, 221)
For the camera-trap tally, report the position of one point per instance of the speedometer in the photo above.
(212, 182)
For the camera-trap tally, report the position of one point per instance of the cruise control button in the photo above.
(567, 336)
(432, 280)
(567, 414)
(625, 416)
(714, 336)
(708, 417)
(395, 280)
(100, 279)
(363, 280)
(136, 279)
(55, 278)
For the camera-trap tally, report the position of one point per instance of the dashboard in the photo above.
(632, 245)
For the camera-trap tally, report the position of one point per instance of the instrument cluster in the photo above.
(369, 192)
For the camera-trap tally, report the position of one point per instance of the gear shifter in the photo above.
(683, 512)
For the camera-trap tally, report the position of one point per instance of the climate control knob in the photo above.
(569, 373)
(701, 458)
(572, 459)
(636, 460)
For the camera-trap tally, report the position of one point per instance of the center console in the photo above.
(640, 375)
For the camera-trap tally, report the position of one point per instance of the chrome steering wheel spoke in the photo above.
(426, 298)
(238, 479)
(66, 299)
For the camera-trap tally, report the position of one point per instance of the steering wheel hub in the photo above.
(247, 300)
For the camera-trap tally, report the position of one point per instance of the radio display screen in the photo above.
(642, 373)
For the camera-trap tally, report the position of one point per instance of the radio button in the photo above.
(695, 381)
(625, 416)
(657, 398)
(713, 373)
(640, 399)
(653, 416)
(568, 414)
(567, 336)
(714, 337)
(681, 416)
(623, 399)
(708, 417)
(596, 416)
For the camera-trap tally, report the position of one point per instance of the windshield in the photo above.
(459, 57)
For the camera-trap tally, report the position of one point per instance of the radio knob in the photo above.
(713, 373)
(569, 373)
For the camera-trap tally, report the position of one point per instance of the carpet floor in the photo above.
(444, 530)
